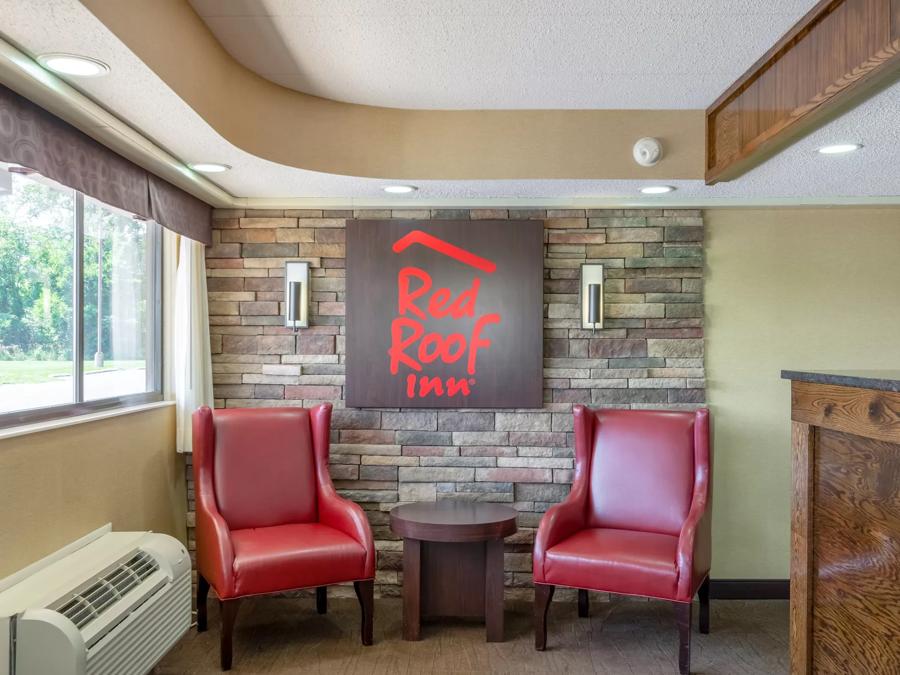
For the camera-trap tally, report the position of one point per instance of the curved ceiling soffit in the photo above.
(304, 131)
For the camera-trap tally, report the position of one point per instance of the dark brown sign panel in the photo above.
(444, 314)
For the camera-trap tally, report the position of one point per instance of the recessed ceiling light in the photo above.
(70, 64)
(209, 167)
(400, 189)
(839, 148)
(656, 189)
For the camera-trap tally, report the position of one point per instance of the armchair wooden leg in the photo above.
(365, 593)
(543, 594)
(202, 594)
(703, 593)
(322, 599)
(584, 607)
(229, 610)
(683, 619)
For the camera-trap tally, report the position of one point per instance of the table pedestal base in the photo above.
(453, 579)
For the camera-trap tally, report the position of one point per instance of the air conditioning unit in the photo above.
(111, 603)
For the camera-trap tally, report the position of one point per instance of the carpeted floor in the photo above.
(285, 635)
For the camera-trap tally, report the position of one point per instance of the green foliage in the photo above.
(36, 274)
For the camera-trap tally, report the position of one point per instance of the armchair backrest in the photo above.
(642, 467)
(263, 465)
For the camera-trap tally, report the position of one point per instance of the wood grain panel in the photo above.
(866, 412)
(856, 526)
(839, 53)
(895, 19)
(412, 589)
(803, 451)
(453, 579)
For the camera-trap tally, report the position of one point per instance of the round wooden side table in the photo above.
(453, 562)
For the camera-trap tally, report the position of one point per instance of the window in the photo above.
(79, 303)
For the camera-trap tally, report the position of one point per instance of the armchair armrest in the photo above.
(569, 516)
(215, 554)
(335, 511)
(559, 522)
(693, 556)
(347, 517)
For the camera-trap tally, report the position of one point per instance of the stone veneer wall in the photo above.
(649, 355)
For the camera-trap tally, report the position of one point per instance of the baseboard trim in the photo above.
(750, 589)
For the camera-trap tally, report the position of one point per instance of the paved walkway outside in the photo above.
(59, 390)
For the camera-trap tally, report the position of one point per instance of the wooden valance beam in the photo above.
(841, 52)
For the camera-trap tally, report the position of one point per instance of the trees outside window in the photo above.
(79, 303)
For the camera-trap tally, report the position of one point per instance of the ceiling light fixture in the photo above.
(400, 189)
(839, 148)
(657, 189)
(209, 167)
(76, 66)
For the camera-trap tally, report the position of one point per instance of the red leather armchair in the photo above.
(637, 521)
(268, 517)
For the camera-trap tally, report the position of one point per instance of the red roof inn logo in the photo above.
(417, 301)
(439, 314)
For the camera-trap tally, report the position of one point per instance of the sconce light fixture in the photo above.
(591, 296)
(296, 294)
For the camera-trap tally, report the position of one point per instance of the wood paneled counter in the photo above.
(845, 522)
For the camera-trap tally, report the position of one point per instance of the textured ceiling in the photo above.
(503, 53)
(138, 96)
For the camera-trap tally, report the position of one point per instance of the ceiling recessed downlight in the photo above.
(209, 167)
(400, 189)
(839, 148)
(657, 189)
(71, 64)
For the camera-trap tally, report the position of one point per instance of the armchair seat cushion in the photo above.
(616, 561)
(284, 557)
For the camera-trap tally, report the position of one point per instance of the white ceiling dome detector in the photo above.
(209, 167)
(657, 189)
(399, 189)
(74, 65)
(839, 148)
(647, 151)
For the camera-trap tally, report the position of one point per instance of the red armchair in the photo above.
(268, 517)
(637, 521)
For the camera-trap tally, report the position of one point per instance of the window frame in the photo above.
(155, 335)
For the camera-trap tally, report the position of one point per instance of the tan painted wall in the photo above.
(795, 289)
(58, 485)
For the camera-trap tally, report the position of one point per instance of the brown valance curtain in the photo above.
(37, 139)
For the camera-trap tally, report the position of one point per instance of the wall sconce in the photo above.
(591, 296)
(296, 294)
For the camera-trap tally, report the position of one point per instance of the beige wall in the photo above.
(793, 289)
(58, 485)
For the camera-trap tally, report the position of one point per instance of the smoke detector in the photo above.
(647, 151)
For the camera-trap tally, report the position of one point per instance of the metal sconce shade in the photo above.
(591, 296)
(595, 304)
(295, 301)
(296, 294)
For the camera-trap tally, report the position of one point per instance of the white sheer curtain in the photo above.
(189, 364)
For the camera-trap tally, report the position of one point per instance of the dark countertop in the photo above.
(884, 380)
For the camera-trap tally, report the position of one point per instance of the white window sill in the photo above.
(62, 422)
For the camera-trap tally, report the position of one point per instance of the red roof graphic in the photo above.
(441, 246)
